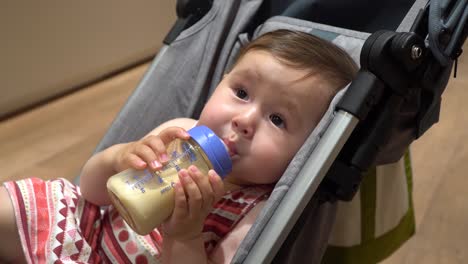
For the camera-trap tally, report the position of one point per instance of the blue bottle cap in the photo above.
(214, 149)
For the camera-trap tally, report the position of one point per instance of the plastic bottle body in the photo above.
(144, 198)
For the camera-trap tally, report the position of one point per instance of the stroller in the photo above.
(406, 54)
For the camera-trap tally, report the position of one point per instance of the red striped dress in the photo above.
(56, 225)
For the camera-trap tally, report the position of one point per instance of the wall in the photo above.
(50, 47)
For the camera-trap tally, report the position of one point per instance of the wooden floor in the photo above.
(56, 139)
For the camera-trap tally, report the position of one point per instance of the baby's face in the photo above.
(264, 111)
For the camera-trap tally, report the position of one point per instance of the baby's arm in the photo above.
(108, 162)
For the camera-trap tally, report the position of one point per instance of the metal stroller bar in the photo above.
(343, 177)
(394, 103)
(382, 97)
(387, 109)
(301, 191)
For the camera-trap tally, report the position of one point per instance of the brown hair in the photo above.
(305, 51)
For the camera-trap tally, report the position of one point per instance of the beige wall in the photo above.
(49, 47)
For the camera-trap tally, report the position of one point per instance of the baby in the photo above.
(264, 109)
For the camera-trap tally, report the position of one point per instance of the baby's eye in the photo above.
(277, 120)
(242, 94)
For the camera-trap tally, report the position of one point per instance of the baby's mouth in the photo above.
(231, 146)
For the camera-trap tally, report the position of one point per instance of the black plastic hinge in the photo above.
(341, 182)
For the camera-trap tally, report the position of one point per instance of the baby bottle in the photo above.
(145, 198)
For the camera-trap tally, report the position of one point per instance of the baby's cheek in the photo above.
(209, 121)
(273, 164)
(206, 117)
(215, 117)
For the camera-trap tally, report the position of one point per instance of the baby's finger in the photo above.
(203, 183)
(133, 161)
(158, 146)
(180, 206)
(147, 155)
(170, 133)
(216, 184)
(192, 192)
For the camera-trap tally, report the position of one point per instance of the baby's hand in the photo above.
(195, 196)
(149, 152)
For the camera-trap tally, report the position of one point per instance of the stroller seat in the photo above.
(296, 222)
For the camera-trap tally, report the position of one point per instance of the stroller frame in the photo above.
(392, 63)
(383, 110)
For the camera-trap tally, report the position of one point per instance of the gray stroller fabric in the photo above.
(182, 77)
(446, 17)
(177, 83)
(311, 240)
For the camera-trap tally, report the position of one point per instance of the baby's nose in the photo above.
(244, 124)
